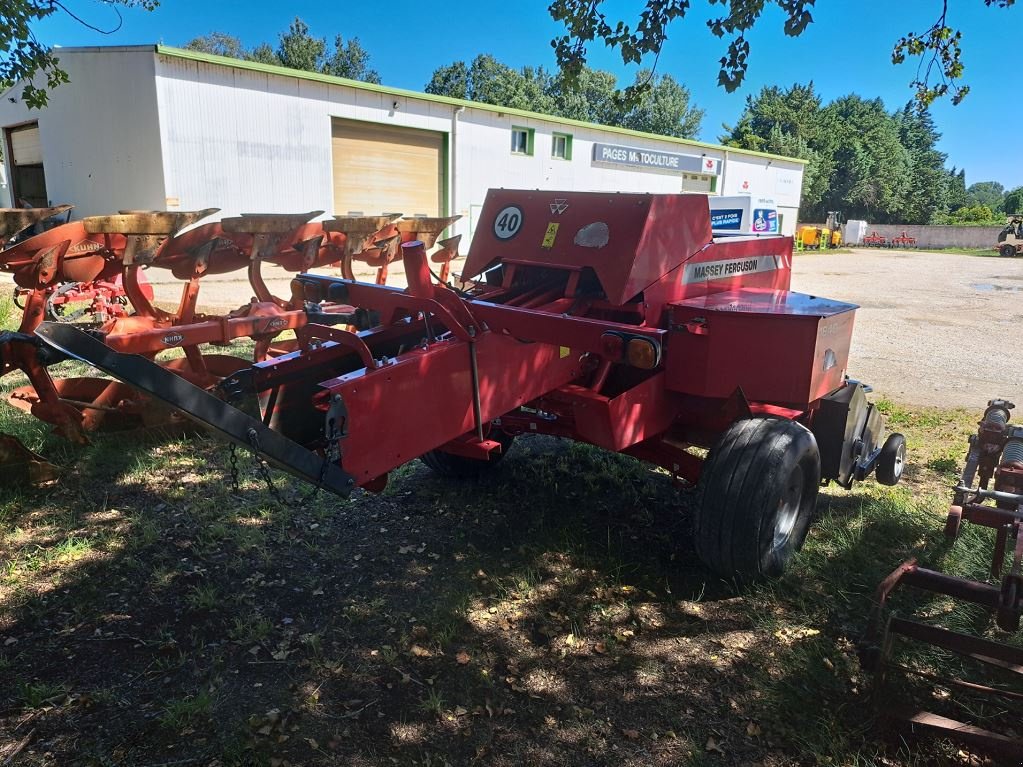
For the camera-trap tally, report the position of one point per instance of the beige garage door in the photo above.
(383, 169)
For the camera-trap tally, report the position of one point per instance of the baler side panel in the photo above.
(773, 272)
(424, 399)
(780, 347)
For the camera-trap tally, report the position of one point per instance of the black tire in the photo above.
(460, 467)
(757, 496)
(892, 460)
(1007, 250)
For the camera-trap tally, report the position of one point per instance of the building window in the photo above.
(522, 140)
(561, 146)
(699, 183)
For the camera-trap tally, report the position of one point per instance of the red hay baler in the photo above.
(614, 319)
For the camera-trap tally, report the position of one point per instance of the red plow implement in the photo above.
(92, 272)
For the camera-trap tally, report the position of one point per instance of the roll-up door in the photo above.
(385, 169)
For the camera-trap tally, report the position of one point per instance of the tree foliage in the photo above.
(937, 49)
(986, 193)
(296, 48)
(1013, 202)
(970, 214)
(861, 159)
(22, 56)
(665, 107)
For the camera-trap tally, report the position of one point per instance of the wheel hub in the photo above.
(788, 508)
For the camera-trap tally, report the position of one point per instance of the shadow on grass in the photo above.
(551, 612)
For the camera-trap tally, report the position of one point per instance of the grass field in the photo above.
(551, 613)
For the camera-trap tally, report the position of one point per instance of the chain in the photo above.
(234, 469)
(264, 472)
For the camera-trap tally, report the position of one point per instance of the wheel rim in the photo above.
(900, 458)
(788, 509)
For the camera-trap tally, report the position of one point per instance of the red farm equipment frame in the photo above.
(614, 319)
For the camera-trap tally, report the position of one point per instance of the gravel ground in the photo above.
(933, 328)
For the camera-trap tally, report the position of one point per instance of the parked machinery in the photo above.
(834, 225)
(617, 320)
(1010, 239)
(814, 237)
(986, 685)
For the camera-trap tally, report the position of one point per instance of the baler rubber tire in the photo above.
(757, 468)
(891, 460)
(1007, 251)
(460, 467)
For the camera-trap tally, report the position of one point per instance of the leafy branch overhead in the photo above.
(938, 48)
(22, 56)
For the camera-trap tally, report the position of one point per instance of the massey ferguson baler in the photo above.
(614, 319)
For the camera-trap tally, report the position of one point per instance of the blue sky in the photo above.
(846, 50)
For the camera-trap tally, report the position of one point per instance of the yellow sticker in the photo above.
(564, 351)
(552, 232)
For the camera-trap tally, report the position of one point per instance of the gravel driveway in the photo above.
(933, 328)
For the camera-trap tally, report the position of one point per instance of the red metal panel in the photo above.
(780, 347)
(637, 414)
(424, 399)
(629, 240)
(727, 264)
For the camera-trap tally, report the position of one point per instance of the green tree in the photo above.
(989, 193)
(23, 56)
(956, 189)
(927, 193)
(1013, 202)
(665, 109)
(218, 44)
(937, 47)
(488, 80)
(971, 214)
(786, 122)
(860, 159)
(297, 49)
(869, 166)
(349, 59)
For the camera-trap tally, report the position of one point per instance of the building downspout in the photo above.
(724, 172)
(453, 183)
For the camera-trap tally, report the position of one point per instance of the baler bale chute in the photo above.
(613, 319)
(105, 256)
(984, 691)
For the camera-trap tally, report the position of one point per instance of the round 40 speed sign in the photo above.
(508, 222)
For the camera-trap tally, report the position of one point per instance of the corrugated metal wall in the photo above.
(99, 135)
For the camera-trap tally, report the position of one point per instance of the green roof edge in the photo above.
(182, 53)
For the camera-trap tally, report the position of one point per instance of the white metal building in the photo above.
(152, 127)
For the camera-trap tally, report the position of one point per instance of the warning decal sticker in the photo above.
(552, 233)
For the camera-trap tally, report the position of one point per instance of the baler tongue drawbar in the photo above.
(202, 407)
